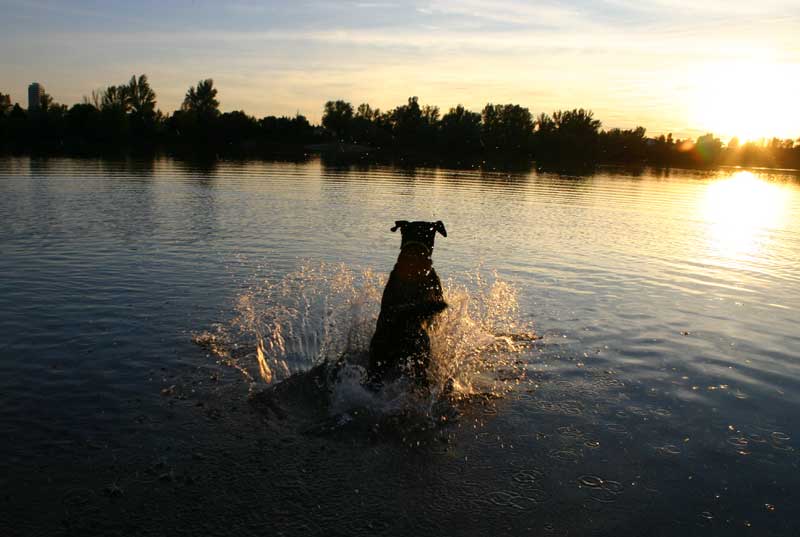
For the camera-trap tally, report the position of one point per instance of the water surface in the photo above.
(662, 398)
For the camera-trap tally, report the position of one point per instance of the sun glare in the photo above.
(739, 210)
(747, 99)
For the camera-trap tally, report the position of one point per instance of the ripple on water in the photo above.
(668, 450)
(570, 456)
(600, 489)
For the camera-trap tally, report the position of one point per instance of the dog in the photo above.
(411, 300)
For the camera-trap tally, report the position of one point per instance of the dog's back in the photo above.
(411, 299)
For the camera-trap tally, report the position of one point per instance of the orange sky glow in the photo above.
(732, 68)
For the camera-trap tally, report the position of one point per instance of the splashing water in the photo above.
(327, 314)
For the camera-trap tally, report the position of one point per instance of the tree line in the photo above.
(125, 117)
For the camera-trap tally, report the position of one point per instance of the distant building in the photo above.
(35, 94)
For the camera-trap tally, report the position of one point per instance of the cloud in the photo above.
(633, 62)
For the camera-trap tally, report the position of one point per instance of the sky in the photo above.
(680, 66)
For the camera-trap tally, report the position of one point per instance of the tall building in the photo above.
(35, 93)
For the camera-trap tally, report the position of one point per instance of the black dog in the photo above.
(412, 298)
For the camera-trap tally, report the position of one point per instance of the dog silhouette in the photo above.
(411, 300)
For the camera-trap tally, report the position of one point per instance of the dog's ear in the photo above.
(439, 226)
(398, 224)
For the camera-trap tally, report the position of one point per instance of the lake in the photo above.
(139, 300)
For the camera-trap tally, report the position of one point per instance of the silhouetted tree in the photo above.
(142, 104)
(430, 127)
(284, 130)
(407, 123)
(507, 128)
(545, 124)
(141, 97)
(201, 99)
(577, 134)
(708, 149)
(95, 99)
(460, 131)
(412, 126)
(617, 145)
(116, 98)
(45, 102)
(237, 129)
(5, 108)
(84, 127)
(662, 151)
(544, 138)
(430, 114)
(367, 127)
(194, 125)
(17, 128)
(5, 103)
(18, 113)
(48, 125)
(567, 137)
(365, 112)
(114, 113)
(337, 117)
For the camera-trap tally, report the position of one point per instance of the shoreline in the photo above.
(353, 155)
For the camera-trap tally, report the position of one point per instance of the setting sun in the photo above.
(747, 99)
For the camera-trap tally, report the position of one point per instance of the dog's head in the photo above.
(420, 234)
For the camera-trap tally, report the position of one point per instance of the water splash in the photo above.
(327, 313)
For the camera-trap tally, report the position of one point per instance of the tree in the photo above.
(507, 128)
(141, 98)
(569, 136)
(460, 131)
(83, 124)
(365, 111)
(201, 99)
(141, 101)
(284, 130)
(114, 113)
(370, 127)
(95, 99)
(45, 102)
(430, 114)
(5, 107)
(17, 127)
(237, 128)
(544, 139)
(5, 103)
(115, 98)
(545, 123)
(708, 149)
(338, 118)
(629, 145)
(406, 122)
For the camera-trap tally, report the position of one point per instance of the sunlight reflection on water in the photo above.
(742, 211)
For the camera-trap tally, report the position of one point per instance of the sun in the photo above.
(749, 99)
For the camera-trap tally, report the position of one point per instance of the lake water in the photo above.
(662, 399)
